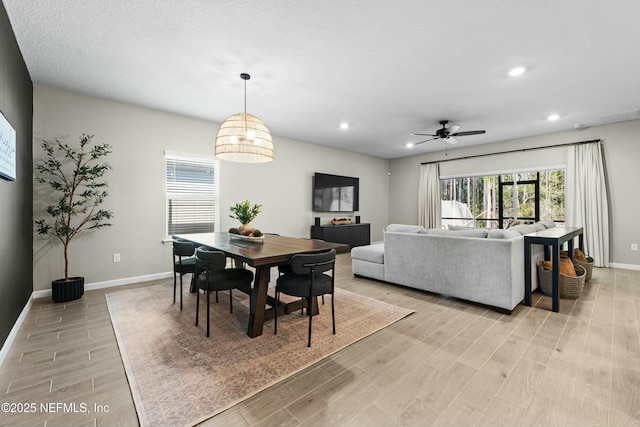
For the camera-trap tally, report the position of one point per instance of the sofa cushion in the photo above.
(471, 232)
(497, 233)
(405, 228)
(371, 253)
(538, 226)
(523, 229)
(548, 223)
(459, 227)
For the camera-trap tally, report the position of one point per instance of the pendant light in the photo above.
(243, 137)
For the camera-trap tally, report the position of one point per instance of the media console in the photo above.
(349, 234)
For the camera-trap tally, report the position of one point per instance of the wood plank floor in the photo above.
(450, 363)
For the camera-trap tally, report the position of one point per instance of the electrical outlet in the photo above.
(116, 257)
(634, 246)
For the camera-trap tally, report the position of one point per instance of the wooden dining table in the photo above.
(262, 255)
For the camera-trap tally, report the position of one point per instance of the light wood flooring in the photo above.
(450, 363)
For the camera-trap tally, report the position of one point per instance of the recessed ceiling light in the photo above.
(517, 71)
(409, 144)
(553, 117)
(344, 125)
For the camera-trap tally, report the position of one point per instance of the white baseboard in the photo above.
(14, 331)
(625, 266)
(111, 283)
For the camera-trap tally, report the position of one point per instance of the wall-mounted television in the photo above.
(335, 193)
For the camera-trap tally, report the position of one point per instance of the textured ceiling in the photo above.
(389, 68)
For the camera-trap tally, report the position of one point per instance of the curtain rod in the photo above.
(513, 151)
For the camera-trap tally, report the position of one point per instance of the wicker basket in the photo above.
(588, 266)
(569, 287)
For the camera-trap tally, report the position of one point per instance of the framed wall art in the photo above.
(7, 150)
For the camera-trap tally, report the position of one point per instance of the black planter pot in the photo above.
(67, 290)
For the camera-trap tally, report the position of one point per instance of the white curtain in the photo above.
(586, 199)
(429, 204)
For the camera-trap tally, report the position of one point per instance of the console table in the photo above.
(349, 234)
(553, 237)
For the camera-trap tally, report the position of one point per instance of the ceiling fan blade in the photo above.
(423, 134)
(451, 140)
(453, 128)
(426, 140)
(469, 132)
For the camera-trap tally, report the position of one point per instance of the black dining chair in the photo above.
(311, 275)
(213, 276)
(286, 268)
(183, 263)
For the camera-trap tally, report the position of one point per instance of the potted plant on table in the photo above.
(245, 213)
(73, 176)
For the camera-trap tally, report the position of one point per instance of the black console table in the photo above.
(553, 237)
(349, 234)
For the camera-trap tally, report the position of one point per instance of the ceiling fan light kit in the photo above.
(446, 133)
(243, 137)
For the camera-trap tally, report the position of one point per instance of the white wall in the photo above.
(139, 137)
(622, 158)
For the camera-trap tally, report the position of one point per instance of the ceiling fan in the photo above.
(448, 133)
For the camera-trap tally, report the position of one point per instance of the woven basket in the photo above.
(588, 266)
(569, 287)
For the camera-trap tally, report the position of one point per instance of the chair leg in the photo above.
(310, 314)
(333, 313)
(174, 287)
(230, 302)
(208, 308)
(217, 297)
(197, 305)
(181, 292)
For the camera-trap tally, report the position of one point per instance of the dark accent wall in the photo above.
(16, 197)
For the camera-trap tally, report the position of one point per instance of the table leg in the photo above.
(527, 274)
(555, 274)
(258, 302)
(581, 242)
(570, 249)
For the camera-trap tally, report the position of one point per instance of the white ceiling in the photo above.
(389, 68)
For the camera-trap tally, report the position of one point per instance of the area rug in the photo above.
(180, 377)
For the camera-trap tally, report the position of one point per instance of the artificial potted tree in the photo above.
(73, 176)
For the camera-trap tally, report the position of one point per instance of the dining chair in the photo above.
(311, 275)
(183, 263)
(213, 276)
(286, 268)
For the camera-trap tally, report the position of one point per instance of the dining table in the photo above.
(263, 254)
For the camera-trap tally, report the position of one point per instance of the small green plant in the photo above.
(244, 212)
(73, 175)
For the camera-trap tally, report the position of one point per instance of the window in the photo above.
(192, 195)
(491, 201)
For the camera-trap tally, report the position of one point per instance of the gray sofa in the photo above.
(485, 266)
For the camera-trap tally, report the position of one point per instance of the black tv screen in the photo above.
(335, 193)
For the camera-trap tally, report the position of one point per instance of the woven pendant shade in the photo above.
(244, 138)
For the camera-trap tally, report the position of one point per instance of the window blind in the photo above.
(192, 195)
